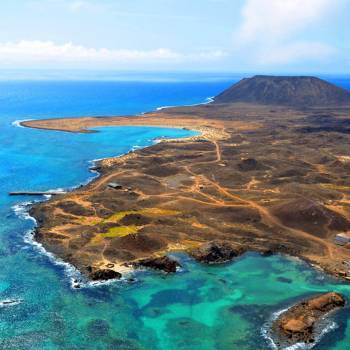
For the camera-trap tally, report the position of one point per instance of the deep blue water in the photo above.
(201, 308)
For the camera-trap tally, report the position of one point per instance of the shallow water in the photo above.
(220, 307)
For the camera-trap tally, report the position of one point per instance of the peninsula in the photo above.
(269, 172)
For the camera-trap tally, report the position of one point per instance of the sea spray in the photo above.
(17, 123)
(207, 101)
(77, 280)
(10, 302)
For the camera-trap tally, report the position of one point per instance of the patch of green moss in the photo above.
(89, 221)
(120, 231)
(152, 212)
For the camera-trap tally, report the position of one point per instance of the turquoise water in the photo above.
(222, 307)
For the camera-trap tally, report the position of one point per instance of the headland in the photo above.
(263, 175)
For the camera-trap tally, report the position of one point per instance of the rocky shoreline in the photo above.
(259, 178)
(304, 321)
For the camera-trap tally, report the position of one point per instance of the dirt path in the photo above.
(267, 217)
(271, 220)
(218, 151)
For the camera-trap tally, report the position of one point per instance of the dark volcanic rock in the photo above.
(248, 164)
(298, 323)
(289, 91)
(326, 123)
(75, 209)
(163, 263)
(105, 274)
(310, 216)
(216, 252)
(135, 219)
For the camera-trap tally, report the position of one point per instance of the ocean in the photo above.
(224, 307)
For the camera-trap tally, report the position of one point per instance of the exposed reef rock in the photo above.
(291, 91)
(298, 323)
(163, 263)
(216, 252)
(104, 275)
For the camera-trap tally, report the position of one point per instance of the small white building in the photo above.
(343, 238)
(115, 185)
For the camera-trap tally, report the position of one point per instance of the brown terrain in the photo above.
(300, 322)
(264, 177)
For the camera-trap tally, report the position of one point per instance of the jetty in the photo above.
(36, 193)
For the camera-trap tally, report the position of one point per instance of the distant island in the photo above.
(269, 172)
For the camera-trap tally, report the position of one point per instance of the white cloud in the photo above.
(76, 6)
(294, 52)
(79, 6)
(274, 31)
(27, 53)
(276, 19)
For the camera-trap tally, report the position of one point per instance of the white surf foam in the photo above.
(164, 107)
(17, 123)
(21, 210)
(9, 302)
(77, 280)
(266, 333)
(207, 100)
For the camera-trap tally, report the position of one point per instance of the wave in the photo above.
(164, 107)
(22, 211)
(77, 280)
(17, 123)
(207, 101)
(266, 333)
(9, 302)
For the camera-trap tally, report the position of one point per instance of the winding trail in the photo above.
(267, 217)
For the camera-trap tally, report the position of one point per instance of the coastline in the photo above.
(213, 131)
(18, 123)
(266, 332)
(22, 210)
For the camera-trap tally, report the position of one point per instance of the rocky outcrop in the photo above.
(298, 323)
(163, 263)
(216, 252)
(104, 275)
(249, 164)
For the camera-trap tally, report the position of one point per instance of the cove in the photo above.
(202, 307)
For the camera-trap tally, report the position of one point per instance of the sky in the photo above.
(267, 36)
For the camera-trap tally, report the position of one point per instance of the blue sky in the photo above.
(289, 36)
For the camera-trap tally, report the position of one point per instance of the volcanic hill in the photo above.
(270, 180)
(299, 91)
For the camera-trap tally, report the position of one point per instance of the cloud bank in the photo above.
(260, 35)
(273, 31)
(48, 52)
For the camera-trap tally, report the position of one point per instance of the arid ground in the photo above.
(265, 178)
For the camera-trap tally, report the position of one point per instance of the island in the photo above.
(268, 172)
(302, 323)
